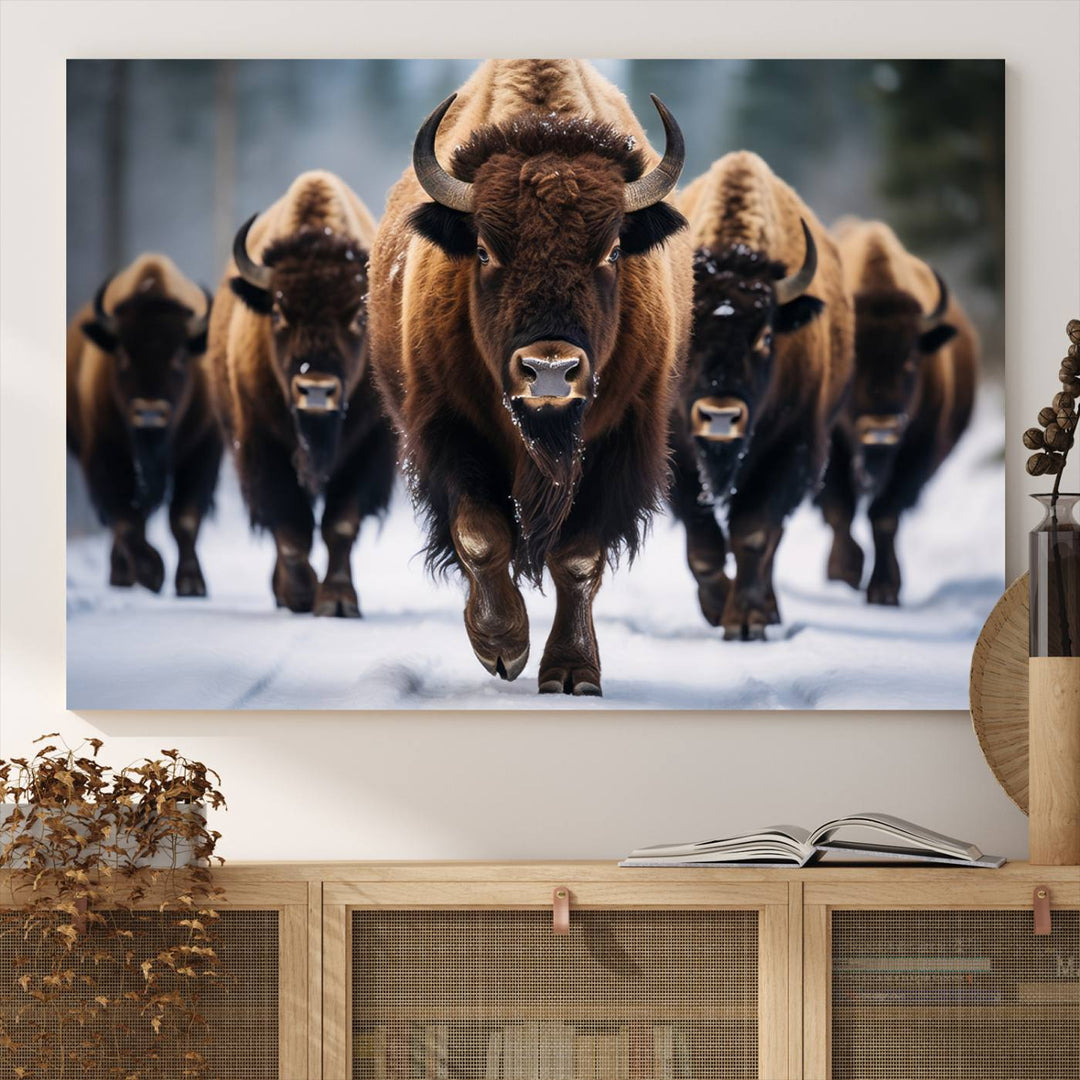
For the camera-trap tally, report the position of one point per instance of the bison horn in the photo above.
(250, 271)
(656, 185)
(106, 321)
(434, 179)
(794, 285)
(197, 324)
(935, 316)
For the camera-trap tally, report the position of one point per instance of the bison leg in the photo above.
(706, 549)
(133, 559)
(772, 605)
(121, 563)
(194, 481)
(884, 587)
(706, 553)
(277, 502)
(751, 603)
(914, 465)
(110, 478)
(359, 488)
(766, 495)
(294, 580)
(495, 616)
(571, 661)
(336, 595)
(837, 502)
(885, 579)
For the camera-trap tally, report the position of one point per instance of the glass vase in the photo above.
(1054, 548)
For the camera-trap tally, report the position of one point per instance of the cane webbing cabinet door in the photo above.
(255, 1011)
(431, 974)
(924, 975)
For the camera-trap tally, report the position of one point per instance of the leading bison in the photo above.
(138, 416)
(770, 361)
(916, 367)
(288, 358)
(527, 321)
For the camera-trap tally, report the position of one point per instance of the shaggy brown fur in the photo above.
(789, 365)
(312, 321)
(149, 358)
(549, 146)
(925, 379)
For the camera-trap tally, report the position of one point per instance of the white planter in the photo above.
(161, 860)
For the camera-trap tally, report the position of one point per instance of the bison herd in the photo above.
(552, 342)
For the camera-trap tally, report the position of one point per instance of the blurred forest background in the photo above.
(172, 155)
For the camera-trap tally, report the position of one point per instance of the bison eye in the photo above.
(356, 324)
(483, 256)
(179, 361)
(613, 257)
(277, 318)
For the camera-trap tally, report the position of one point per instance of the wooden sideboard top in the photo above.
(603, 871)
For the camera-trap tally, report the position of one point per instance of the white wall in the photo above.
(358, 785)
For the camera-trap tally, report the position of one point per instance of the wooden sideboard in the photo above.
(400, 969)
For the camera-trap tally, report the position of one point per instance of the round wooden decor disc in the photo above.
(999, 691)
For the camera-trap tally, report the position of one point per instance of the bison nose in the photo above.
(316, 393)
(880, 430)
(549, 372)
(150, 413)
(719, 419)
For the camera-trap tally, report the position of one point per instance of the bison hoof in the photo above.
(294, 586)
(121, 569)
(149, 568)
(337, 599)
(772, 611)
(189, 581)
(746, 621)
(581, 682)
(884, 593)
(498, 628)
(846, 563)
(506, 667)
(712, 601)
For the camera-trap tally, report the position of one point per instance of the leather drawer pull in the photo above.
(560, 911)
(1040, 902)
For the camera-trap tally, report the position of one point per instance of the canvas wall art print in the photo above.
(533, 384)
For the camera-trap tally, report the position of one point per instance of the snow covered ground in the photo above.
(129, 649)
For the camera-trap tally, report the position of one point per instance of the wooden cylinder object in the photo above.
(1054, 760)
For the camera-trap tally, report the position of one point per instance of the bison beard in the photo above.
(718, 463)
(873, 467)
(317, 438)
(150, 451)
(547, 480)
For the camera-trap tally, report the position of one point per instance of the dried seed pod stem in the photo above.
(1059, 420)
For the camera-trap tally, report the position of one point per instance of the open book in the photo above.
(865, 837)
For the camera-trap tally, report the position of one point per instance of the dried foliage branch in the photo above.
(1053, 439)
(107, 915)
